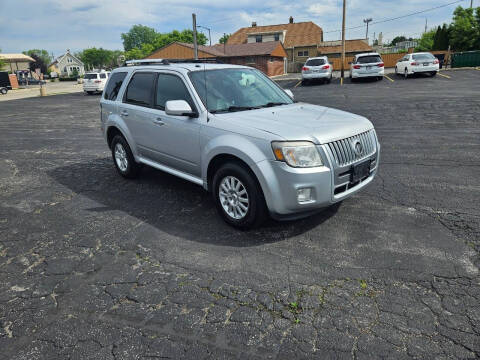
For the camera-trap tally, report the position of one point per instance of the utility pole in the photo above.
(342, 72)
(471, 4)
(425, 24)
(366, 21)
(209, 37)
(195, 45)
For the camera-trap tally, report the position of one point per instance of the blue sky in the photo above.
(56, 25)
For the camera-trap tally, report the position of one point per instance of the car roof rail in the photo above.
(147, 62)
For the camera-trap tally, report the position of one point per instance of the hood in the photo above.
(302, 121)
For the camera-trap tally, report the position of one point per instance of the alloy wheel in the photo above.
(233, 197)
(121, 157)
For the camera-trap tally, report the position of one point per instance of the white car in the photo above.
(317, 68)
(367, 65)
(94, 82)
(417, 63)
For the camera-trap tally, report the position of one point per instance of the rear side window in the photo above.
(91, 76)
(171, 87)
(103, 76)
(139, 90)
(113, 85)
(315, 62)
(369, 59)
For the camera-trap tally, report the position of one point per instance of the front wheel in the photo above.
(238, 196)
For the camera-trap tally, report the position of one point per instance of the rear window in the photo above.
(315, 62)
(91, 76)
(139, 90)
(113, 85)
(423, 57)
(103, 76)
(369, 59)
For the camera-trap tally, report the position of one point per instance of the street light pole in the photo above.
(366, 21)
(209, 37)
(195, 45)
(342, 73)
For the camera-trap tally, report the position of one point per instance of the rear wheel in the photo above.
(329, 80)
(3, 91)
(89, 92)
(405, 74)
(123, 158)
(433, 73)
(238, 196)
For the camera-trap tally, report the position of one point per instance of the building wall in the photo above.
(292, 53)
(269, 65)
(67, 64)
(177, 51)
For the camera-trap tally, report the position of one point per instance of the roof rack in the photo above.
(147, 62)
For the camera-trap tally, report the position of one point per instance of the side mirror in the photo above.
(289, 93)
(178, 108)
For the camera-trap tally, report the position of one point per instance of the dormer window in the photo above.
(258, 38)
(276, 37)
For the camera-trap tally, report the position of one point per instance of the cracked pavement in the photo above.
(93, 266)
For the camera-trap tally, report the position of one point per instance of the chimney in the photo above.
(254, 23)
(290, 20)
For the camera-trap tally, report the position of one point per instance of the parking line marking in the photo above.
(388, 77)
(298, 83)
(445, 76)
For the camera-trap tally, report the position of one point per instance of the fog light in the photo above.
(304, 195)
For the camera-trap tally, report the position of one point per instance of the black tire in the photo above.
(396, 71)
(405, 73)
(132, 167)
(380, 78)
(90, 92)
(3, 91)
(304, 82)
(257, 209)
(433, 73)
(329, 80)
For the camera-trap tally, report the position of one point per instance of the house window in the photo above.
(302, 53)
(250, 60)
(258, 38)
(276, 37)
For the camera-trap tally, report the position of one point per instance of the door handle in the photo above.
(124, 113)
(158, 121)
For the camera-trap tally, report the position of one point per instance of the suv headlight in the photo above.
(302, 154)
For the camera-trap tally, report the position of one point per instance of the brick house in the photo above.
(268, 57)
(300, 40)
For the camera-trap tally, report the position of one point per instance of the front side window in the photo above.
(139, 90)
(171, 87)
(226, 90)
(113, 86)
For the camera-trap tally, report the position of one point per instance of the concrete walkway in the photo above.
(53, 88)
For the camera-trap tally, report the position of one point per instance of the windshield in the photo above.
(423, 57)
(315, 62)
(237, 89)
(369, 59)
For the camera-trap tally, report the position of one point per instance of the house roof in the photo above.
(296, 34)
(16, 57)
(273, 48)
(335, 47)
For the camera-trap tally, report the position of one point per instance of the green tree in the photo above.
(224, 38)
(398, 39)
(38, 64)
(464, 29)
(41, 53)
(98, 58)
(185, 36)
(441, 38)
(135, 53)
(138, 35)
(426, 41)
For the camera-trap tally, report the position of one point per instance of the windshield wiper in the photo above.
(270, 104)
(234, 108)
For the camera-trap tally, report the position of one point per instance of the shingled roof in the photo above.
(335, 47)
(297, 34)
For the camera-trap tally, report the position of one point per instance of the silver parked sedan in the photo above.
(317, 68)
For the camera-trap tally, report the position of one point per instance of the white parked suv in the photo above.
(417, 63)
(94, 82)
(238, 134)
(367, 65)
(317, 68)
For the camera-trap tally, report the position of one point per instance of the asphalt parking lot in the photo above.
(93, 266)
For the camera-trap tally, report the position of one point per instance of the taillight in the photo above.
(380, 65)
(356, 66)
(414, 63)
(326, 67)
(305, 68)
(436, 61)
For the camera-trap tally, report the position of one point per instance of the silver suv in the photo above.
(239, 135)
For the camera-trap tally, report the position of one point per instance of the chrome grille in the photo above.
(343, 150)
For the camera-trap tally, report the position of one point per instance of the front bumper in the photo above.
(329, 184)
